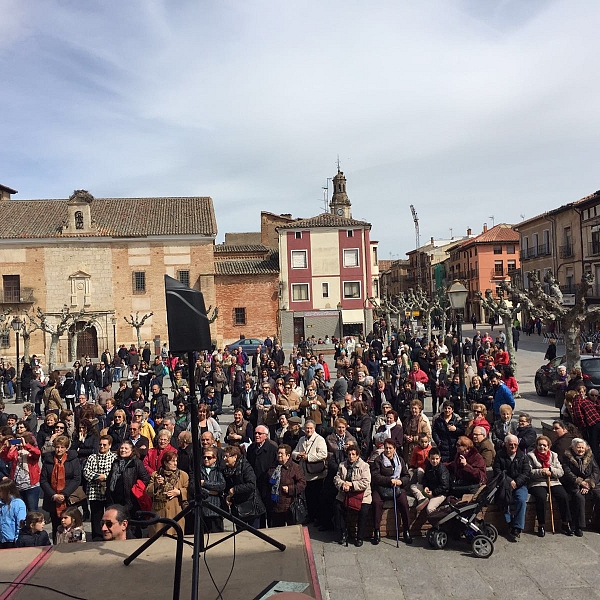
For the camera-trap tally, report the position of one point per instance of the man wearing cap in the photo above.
(294, 432)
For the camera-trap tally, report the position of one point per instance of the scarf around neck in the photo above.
(543, 458)
(59, 481)
(397, 465)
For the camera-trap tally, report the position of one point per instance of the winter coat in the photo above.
(11, 516)
(292, 475)
(502, 395)
(361, 480)
(527, 437)
(11, 454)
(381, 476)
(537, 478)
(444, 438)
(316, 451)
(562, 444)
(498, 432)
(579, 469)
(518, 469)
(487, 451)
(154, 456)
(396, 433)
(72, 478)
(473, 472)
(173, 506)
(29, 539)
(214, 484)
(133, 472)
(437, 479)
(313, 414)
(422, 427)
(242, 480)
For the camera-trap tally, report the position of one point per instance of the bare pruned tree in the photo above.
(137, 323)
(508, 311)
(215, 313)
(550, 307)
(57, 329)
(28, 327)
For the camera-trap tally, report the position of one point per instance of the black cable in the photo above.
(43, 587)
(219, 592)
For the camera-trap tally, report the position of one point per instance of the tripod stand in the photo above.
(195, 506)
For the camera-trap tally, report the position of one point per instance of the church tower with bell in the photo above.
(340, 204)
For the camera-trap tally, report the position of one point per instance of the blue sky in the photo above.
(467, 109)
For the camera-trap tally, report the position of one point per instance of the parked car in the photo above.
(546, 374)
(249, 346)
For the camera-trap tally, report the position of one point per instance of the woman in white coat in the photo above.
(311, 453)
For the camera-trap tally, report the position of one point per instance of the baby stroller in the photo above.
(460, 520)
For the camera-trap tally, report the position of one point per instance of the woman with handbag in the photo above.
(311, 453)
(287, 483)
(168, 488)
(59, 479)
(353, 482)
(389, 476)
(240, 488)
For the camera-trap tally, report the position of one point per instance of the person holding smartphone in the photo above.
(23, 454)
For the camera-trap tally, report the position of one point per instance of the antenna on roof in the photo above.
(492, 218)
(451, 236)
(338, 162)
(326, 197)
(522, 217)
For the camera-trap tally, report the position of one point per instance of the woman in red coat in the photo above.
(467, 468)
(418, 379)
(24, 459)
(154, 456)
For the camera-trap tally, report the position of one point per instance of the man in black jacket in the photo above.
(517, 469)
(88, 376)
(159, 405)
(103, 376)
(262, 455)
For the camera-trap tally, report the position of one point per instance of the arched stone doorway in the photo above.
(87, 340)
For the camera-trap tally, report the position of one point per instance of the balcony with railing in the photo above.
(528, 253)
(543, 250)
(565, 251)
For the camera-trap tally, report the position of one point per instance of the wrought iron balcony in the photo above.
(565, 251)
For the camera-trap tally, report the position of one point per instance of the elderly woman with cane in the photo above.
(546, 472)
(389, 478)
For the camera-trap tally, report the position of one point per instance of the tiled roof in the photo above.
(113, 217)
(5, 188)
(325, 220)
(501, 233)
(240, 248)
(251, 266)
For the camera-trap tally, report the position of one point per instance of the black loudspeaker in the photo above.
(187, 320)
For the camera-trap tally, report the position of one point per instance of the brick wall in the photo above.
(258, 294)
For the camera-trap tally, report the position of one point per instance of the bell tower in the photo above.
(340, 204)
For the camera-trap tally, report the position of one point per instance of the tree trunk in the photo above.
(26, 340)
(572, 346)
(54, 338)
(510, 344)
(138, 330)
(388, 325)
(443, 323)
(73, 353)
(429, 324)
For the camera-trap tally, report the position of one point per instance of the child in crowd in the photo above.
(71, 529)
(436, 482)
(32, 531)
(418, 462)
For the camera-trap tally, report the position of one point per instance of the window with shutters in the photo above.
(139, 282)
(300, 292)
(5, 340)
(12, 288)
(351, 257)
(299, 259)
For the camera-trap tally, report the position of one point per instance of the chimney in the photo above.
(468, 231)
(431, 241)
(484, 227)
(6, 192)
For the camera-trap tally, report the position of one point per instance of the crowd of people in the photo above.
(303, 446)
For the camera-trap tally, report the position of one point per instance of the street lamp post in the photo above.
(341, 325)
(114, 324)
(457, 294)
(17, 324)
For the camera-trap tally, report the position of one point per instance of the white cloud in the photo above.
(464, 109)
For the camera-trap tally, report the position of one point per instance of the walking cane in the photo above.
(551, 507)
(396, 516)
